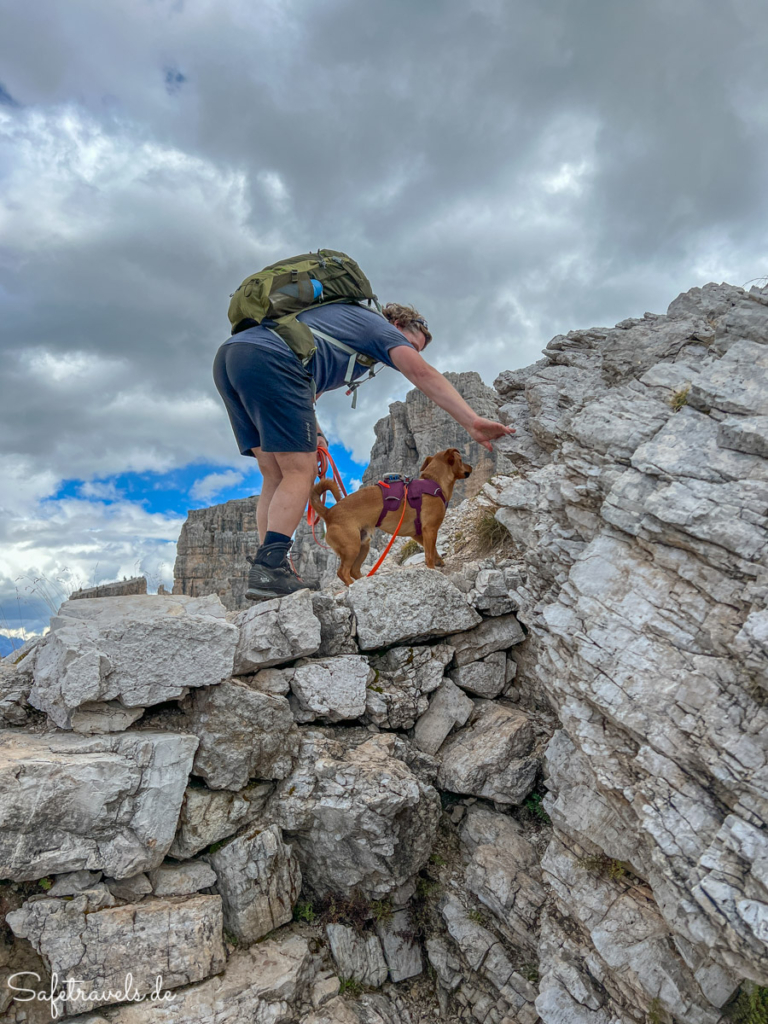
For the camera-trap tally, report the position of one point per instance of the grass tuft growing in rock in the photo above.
(679, 399)
(411, 547)
(304, 911)
(534, 807)
(490, 532)
(609, 867)
(351, 988)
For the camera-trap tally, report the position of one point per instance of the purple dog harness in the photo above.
(392, 493)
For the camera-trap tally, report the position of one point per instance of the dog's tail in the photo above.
(326, 484)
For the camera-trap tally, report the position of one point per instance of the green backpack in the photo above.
(282, 290)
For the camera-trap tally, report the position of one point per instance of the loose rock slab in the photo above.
(358, 819)
(406, 605)
(106, 803)
(142, 650)
(332, 688)
(81, 938)
(491, 635)
(486, 678)
(259, 880)
(358, 957)
(448, 708)
(404, 677)
(487, 757)
(273, 632)
(243, 734)
(208, 815)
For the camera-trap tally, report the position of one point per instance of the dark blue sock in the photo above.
(273, 537)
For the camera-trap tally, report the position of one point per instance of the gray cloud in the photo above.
(513, 169)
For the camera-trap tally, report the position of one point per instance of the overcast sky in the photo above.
(514, 169)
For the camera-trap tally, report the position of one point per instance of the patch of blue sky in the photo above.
(177, 491)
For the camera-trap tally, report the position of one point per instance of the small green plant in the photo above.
(750, 1005)
(437, 860)
(215, 847)
(411, 547)
(680, 398)
(489, 531)
(653, 1013)
(381, 910)
(534, 807)
(304, 911)
(477, 916)
(45, 883)
(427, 887)
(230, 938)
(350, 987)
(531, 973)
(610, 867)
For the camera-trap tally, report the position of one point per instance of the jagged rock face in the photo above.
(417, 428)
(640, 515)
(212, 549)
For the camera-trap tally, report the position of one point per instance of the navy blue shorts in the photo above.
(269, 398)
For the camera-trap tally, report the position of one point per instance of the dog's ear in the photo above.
(425, 463)
(452, 456)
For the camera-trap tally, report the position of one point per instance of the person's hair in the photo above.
(406, 317)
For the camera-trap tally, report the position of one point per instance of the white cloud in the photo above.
(208, 486)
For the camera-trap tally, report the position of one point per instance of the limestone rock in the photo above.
(73, 882)
(243, 735)
(337, 625)
(486, 678)
(332, 688)
(401, 951)
(448, 708)
(263, 983)
(14, 691)
(358, 957)
(181, 879)
(414, 603)
(119, 588)
(277, 631)
(212, 550)
(357, 819)
(503, 872)
(259, 880)
(112, 716)
(404, 676)
(81, 938)
(488, 757)
(134, 782)
(208, 815)
(497, 634)
(139, 650)
(129, 889)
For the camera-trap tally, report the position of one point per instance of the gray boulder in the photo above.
(209, 815)
(88, 939)
(139, 650)
(358, 819)
(411, 604)
(448, 708)
(182, 879)
(358, 957)
(243, 735)
(259, 880)
(488, 757)
(274, 632)
(404, 677)
(486, 678)
(134, 784)
(491, 635)
(331, 688)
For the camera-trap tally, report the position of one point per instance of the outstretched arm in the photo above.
(434, 385)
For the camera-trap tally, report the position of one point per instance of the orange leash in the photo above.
(324, 462)
(392, 538)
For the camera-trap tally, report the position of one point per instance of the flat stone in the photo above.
(491, 635)
(488, 757)
(332, 688)
(130, 889)
(358, 957)
(243, 735)
(748, 434)
(181, 940)
(259, 880)
(182, 879)
(402, 606)
(135, 783)
(486, 678)
(95, 719)
(209, 815)
(142, 650)
(401, 950)
(448, 708)
(274, 632)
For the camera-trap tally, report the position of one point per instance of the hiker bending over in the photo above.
(269, 395)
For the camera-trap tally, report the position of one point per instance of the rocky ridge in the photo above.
(530, 786)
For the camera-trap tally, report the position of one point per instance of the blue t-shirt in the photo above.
(362, 329)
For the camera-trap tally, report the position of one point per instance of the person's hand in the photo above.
(321, 440)
(484, 431)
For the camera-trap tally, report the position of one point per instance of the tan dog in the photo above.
(350, 523)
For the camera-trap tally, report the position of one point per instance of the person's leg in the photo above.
(290, 497)
(271, 477)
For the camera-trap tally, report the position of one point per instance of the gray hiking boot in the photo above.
(265, 581)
